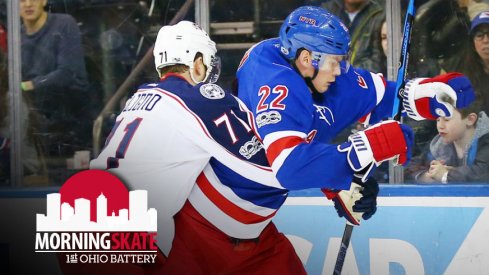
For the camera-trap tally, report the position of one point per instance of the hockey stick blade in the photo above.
(345, 242)
(403, 62)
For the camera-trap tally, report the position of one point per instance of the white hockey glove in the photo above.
(430, 98)
(383, 141)
(360, 202)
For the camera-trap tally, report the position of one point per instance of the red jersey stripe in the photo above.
(280, 144)
(227, 206)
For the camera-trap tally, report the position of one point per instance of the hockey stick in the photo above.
(403, 62)
(396, 114)
(345, 242)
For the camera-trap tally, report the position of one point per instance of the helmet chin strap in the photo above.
(310, 84)
(309, 79)
(193, 78)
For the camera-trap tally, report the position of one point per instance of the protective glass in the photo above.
(215, 70)
(323, 61)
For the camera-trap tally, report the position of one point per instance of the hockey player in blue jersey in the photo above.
(302, 93)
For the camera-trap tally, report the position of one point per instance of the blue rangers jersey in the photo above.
(295, 127)
(182, 142)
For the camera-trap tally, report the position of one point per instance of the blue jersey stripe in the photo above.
(258, 194)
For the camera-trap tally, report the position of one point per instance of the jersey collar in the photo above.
(166, 76)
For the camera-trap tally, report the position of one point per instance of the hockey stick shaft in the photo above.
(403, 62)
(345, 242)
(396, 114)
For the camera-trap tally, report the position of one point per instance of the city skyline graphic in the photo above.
(62, 217)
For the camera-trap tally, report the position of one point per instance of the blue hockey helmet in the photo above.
(314, 29)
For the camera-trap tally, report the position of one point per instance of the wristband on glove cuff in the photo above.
(344, 200)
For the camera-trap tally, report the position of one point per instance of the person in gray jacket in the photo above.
(460, 151)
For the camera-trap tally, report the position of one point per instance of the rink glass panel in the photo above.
(117, 35)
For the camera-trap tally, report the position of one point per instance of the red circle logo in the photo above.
(90, 184)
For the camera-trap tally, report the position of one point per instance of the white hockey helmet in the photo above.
(179, 43)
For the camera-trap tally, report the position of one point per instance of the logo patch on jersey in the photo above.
(250, 148)
(243, 60)
(325, 114)
(211, 91)
(361, 81)
(284, 50)
(266, 118)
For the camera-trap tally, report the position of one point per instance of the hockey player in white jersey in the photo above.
(190, 145)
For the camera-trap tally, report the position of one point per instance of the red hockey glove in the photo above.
(360, 202)
(383, 141)
(430, 98)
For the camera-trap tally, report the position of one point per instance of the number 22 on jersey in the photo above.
(279, 93)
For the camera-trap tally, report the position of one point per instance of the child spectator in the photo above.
(460, 152)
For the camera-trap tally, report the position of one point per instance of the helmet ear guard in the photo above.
(180, 43)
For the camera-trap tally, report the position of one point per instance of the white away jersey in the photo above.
(182, 142)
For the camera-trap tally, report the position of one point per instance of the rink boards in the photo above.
(440, 229)
(417, 230)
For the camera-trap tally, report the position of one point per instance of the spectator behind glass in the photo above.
(385, 50)
(4, 142)
(54, 79)
(29, 155)
(3, 38)
(475, 63)
(460, 152)
(363, 19)
(473, 7)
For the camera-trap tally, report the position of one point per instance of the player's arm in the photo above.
(299, 162)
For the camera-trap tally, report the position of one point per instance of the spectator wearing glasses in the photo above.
(475, 61)
(480, 37)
